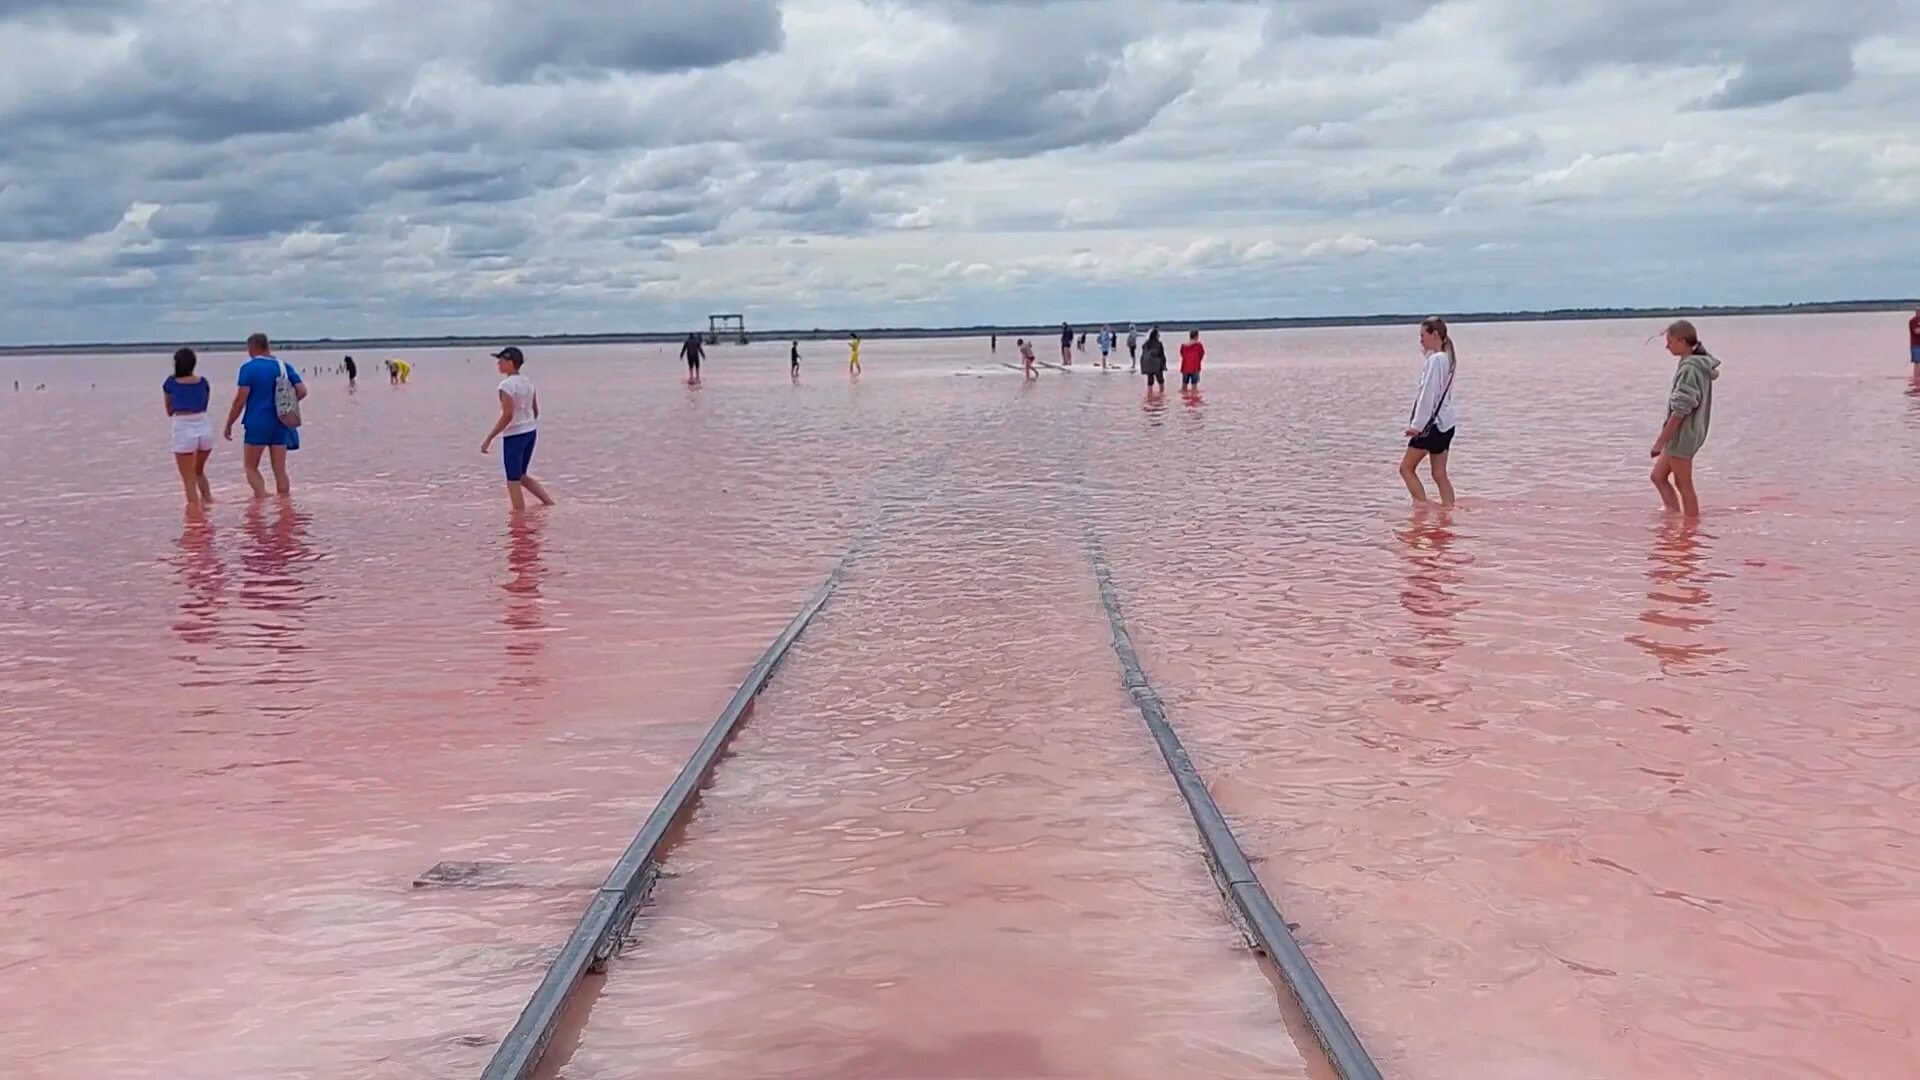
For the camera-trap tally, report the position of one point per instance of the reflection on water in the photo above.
(1154, 406)
(522, 613)
(1431, 575)
(273, 590)
(201, 578)
(1679, 606)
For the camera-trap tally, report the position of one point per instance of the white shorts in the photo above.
(192, 433)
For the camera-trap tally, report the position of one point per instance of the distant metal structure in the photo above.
(731, 327)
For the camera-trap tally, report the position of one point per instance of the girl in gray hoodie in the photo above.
(1689, 414)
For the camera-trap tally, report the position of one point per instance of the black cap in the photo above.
(511, 352)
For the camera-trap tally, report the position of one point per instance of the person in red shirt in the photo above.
(1913, 340)
(1191, 354)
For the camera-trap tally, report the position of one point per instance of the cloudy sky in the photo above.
(194, 168)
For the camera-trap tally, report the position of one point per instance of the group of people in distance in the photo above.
(694, 351)
(266, 406)
(1149, 359)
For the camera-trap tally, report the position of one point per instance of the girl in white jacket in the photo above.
(1430, 425)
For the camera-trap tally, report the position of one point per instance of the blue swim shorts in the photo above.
(516, 452)
(272, 433)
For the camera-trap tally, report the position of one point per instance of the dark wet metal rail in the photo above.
(1256, 912)
(603, 929)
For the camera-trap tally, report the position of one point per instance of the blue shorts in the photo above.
(1916, 354)
(516, 452)
(272, 433)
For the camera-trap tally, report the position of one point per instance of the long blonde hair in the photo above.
(1434, 324)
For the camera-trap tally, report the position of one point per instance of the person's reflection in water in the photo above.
(522, 615)
(1154, 405)
(1678, 604)
(1433, 574)
(202, 581)
(274, 590)
(1195, 402)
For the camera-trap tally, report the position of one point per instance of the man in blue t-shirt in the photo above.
(265, 433)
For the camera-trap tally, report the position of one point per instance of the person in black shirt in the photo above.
(694, 351)
(353, 370)
(1066, 345)
(794, 358)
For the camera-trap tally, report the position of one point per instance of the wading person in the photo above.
(516, 429)
(269, 398)
(1026, 359)
(1153, 361)
(1430, 425)
(793, 359)
(693, 350)
(1689, 414)
(1066, 345)
(853, 354)
(1192, 355)
(188, 396)
(1133, 347)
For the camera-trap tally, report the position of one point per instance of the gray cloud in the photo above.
(526, 39)
(1773, 50)
(1502, 148)
(364, 166)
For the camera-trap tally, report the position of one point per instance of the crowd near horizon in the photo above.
(266, 406)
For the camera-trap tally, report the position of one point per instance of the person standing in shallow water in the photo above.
(517, 429)
(188, 396)
(1026, 358)
(853, 354)
(1192, 355)
(1431, 424)
(693, 350)
(1066, 345)
(1689, 414)
(1133, 347)
(793, 359)
(266, 434)
(1153, 362)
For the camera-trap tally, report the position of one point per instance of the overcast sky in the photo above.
(198, 168)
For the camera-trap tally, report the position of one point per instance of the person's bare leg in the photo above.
(282, 484)
(1662, 472)
(1683, 482)
(539, 492)
(200, 476)
(250, 459)
(1438, 464)
(514, 495)
(184, 462)
(1409, 462)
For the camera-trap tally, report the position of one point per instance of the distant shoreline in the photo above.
(387, 344)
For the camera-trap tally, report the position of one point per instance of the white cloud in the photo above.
(377, 165)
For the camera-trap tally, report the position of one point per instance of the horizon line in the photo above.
(1566, 314)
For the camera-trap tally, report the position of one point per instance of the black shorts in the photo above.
(1439, 442)
(1157, 378)
(693, 364)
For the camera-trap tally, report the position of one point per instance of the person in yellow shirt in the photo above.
(853, 354)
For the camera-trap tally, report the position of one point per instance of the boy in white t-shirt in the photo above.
(516, 428)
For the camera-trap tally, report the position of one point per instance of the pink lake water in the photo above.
(1555, 786)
